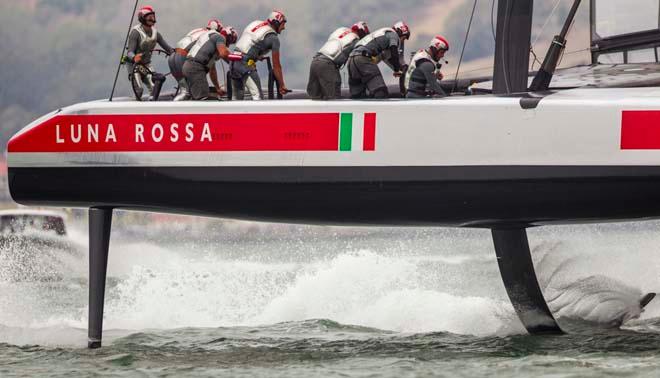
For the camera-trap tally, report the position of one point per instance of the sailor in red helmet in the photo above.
(258, 39)
(423, 75)
(324, 78)
(365, 78)
(141, 42)
(200, 61)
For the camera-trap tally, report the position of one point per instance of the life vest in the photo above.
(147, 42)
(419, 57)
(252, 36)
(338, 41)
(186, 42)
(375, 51)
(194, 52)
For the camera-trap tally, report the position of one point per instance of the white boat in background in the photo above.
(516, 152)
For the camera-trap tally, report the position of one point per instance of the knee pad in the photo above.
(380, 92)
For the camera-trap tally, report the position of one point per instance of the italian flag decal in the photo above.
(366, 133)
(341, 132)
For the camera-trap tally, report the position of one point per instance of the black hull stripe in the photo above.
(447, 196)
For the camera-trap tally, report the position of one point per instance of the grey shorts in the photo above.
(175, 62)
(195, 74)
(324, 79)
(365, 79)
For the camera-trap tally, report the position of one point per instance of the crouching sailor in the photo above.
(141, 42)
(324, 78)
(423, 75)
(176, 60)
(365, 79)
(258, 39)
(209, 47)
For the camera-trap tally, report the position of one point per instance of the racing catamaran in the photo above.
(528, 151)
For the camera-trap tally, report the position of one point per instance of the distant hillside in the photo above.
(59, 52)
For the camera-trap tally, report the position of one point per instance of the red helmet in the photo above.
(402, 29)
(276, 19)
(230, 35)
(214, 24)
(360, 28)
(144, 12)
(438, 43)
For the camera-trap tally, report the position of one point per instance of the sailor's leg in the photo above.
(356, 86)
(238, 89)
(313, 83)
(100, 221)
(375, 82)
(183, 91)
(148, 80)
(328, 79)
(517, 270)
(253, 85)
(136, 81)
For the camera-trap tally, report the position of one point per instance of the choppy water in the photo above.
(300, 301)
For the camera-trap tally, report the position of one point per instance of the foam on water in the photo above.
(168, 287)
(361, 288)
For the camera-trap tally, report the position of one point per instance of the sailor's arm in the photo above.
(277, 64)
(131, 48)
(213, 74)
(277, 71)
(223, 51)
(394, 60)
(163, 43)
(428, 69)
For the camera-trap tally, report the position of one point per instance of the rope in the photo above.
(492, 21)
(114, 85)
(467, 34)
(547, 20)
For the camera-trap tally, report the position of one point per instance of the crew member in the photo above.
(258, 39)
(423, 75)
(201, 58)
(141, 42)
(324, 78)
(365, 78)
(176, 60)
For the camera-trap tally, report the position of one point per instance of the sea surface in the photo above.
(232, 299)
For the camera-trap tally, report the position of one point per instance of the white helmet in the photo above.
(275, 19)
(438, 43)
(360, 28)
(230, 35)
(402, 29)
(214, 24)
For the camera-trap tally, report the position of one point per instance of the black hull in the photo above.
(407, 196)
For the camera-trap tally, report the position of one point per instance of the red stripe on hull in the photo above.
(640, 130)
(182, 133)
(369, 141)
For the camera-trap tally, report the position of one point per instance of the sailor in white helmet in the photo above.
(324, 78)
(141, 42)
(365, 79)
(175, 61)
(205, 51)
(258, 39)
(423, 75)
